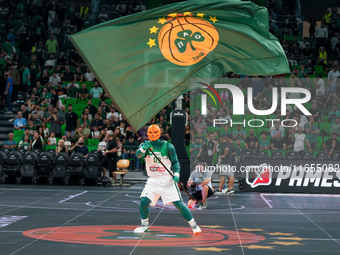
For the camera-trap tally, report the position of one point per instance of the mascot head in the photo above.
(154, 132)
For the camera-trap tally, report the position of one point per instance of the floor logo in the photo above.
(122, 235)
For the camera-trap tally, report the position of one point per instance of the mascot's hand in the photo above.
(176, 177)
(145, 147)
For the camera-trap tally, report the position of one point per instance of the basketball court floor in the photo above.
(36, 219)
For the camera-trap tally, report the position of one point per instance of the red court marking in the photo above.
(122, 235)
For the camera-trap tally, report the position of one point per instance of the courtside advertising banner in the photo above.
(276, 133)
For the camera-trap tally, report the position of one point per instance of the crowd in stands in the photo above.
(64, 107)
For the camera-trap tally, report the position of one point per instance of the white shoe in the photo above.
(196, 229)
(230, 191)
(224, 190)
(141, 229)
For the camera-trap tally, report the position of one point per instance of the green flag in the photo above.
(146, 60)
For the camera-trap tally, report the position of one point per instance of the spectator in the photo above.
(36, 120)
(25, 143)
(37, 142)
(334, 113)
(56, 121)
(251, 141)
(8, 92)
(83, 93)
(315, 111)
(67, 75)
(72, 120)
(54, 79)
(97, 122)
(72, 90)
(300, 140)
(51, 45)
(26, 80)
(110, 155)
(20, 123)
(78, 133)
(89, 76)
(78, 76)
(15, 76)
(209, 148)
(312, 132)
(51, 140)
(321, 34)
(332, 78)
(96, 91)
(239, 134)
(200, 180)
(195, 147)
(332, 145)
(322, 57)
(10, 143)
(277, 142)
(129, 151)
(80, 147)
(25, 113)
(225, 162)
(45, 129)
(50, 64)
(264, 143)
(277, 128)
(61, 147)
(335, 127)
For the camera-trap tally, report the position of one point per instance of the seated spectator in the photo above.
(264, 143)
(25, 143)
(46, 130)
(277, 142)
(200, 181)
(97, 122)
(300, 140)
(89, 76)
(333, 114)
(20, 123)
(78, 133)
(37, 142)
(96, 134)
(96, 91)
(36, 120)
(332, 144)
(69, 138)
(10, 143)
(61, 147)
(86, 131)
(54, 79)
(52, 140)
(72, 90)
(335, 127)
(239, 134)
(50, 63)
(67, 75)
(83, 93)
(315, 111)
(80, 147)
(251, 141)
(78, 76)
(61, 91)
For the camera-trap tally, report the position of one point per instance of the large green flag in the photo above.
(146, 60)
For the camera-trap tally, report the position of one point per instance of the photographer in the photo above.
(200, 184)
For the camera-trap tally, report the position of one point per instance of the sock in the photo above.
(145, 222)
(184, 210)
(192, 222)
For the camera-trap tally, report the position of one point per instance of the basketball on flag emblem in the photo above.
(187, 40)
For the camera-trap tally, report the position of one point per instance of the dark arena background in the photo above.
(60, 194)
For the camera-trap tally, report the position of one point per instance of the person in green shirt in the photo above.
(51, 45)
(264, 143)
(26, 80)
(72, 90)
(7, 47)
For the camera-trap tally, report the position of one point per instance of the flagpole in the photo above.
(158, 159)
